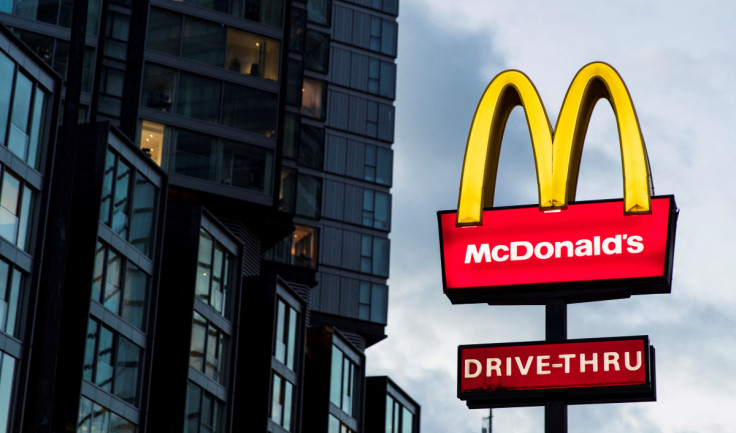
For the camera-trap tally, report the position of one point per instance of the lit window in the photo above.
(312, 98)
(152, 140)
(304, 247)
(252, 54)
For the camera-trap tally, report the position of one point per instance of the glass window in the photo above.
(388, 80)
(154, 141)
(203, 41)
(128, 203)
(47, 11)
(407, 421)
(309, 196)
(198, 97)
(195, 155)
(22, 98)
(112, 362)
(298, 29)
(88, 69)
(164, 31)
(11, 282)
(376, 209)
(38, 127)
(7, 374)
(208, 349)
(120, 208)
(7, 72)
(119, 285)
(142, 214)
(343, 382)
(286, 334)
(116, 36)
(287, 190)
(204, 413)
(312, 98)
(15, 209)
(262, 11)
(215, 277)
(110, 99)
(95, 418)
(282, 399)
(246, 166)
(383, 36)
(317, 51)
(311, 146)
(294, 78)
(250, 109)
(373, 302)
(374, 255)
(319, 11)
(252, 54)
(159, 84)
(385, 122)
(304, 251)
(290, 135)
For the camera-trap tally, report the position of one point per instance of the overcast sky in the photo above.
(678, 61)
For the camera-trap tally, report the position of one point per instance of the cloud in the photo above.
(678, 62)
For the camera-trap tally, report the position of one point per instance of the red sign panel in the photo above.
(587, 243)
(611, 369)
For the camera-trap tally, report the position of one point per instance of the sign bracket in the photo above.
(555, 411)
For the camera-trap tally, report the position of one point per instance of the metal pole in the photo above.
(555, 411)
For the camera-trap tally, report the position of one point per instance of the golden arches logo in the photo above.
(556, 155)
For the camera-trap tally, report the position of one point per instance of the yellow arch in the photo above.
(556, 157)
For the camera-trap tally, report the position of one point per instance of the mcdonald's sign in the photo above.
(580, 251)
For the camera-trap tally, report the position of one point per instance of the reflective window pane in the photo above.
(250, 109)
(164, 31)
(142, 214)
(198, 97)
(203, 41)
(7, 72)
(158, 87)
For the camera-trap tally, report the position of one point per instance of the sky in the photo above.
(678, 60)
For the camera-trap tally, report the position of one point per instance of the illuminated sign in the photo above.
(577, 371)
(611, 249)
(588, 251)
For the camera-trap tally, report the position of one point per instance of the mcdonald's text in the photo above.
(540, 366)
(587, 244)
(558, 249)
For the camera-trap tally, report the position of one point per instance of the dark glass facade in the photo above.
(194, 208)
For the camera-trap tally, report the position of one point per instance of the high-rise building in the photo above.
(194, 215)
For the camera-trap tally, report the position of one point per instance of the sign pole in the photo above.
(555, 411)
